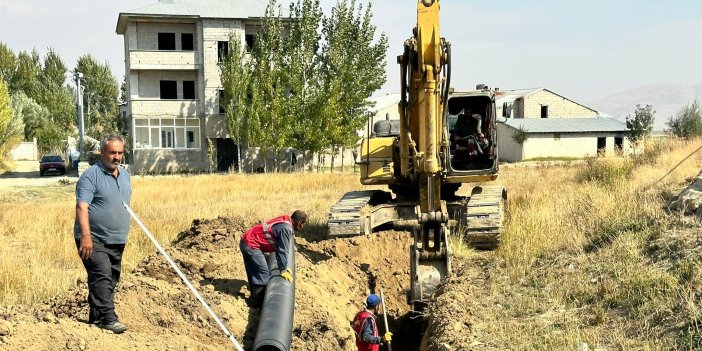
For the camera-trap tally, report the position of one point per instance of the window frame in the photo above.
(168, 131)
(194, 91)
(191, 42)
(161, 89)
(161, 38)
(222, 50)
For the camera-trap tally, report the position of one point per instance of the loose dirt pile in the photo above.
(333, 277)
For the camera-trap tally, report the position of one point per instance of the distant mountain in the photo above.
(666, 99)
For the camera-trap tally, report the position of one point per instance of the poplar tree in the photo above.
(53, 94)
(303, 76)
(354, 67)
(236, 82)
(307, 80)
(100, 97)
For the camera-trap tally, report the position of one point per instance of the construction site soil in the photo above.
(333, 277)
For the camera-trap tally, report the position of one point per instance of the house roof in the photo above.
(567, 125)
(240, 9)
(511, 95)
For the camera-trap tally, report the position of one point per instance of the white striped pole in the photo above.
(185, 279)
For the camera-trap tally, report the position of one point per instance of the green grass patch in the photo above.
(605, 171)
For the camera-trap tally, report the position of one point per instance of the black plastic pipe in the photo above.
(276, 323)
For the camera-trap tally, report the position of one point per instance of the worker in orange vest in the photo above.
(273, 236)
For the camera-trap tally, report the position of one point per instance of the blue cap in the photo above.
(373, 300)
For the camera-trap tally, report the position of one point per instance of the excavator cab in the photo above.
(470, 120)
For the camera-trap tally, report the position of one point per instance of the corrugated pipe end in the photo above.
(270, 345)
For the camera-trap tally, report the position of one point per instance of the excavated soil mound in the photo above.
(333, 277)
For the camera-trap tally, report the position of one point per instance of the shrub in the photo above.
(605, 171)
(520, 135)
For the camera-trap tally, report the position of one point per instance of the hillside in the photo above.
(666, 99)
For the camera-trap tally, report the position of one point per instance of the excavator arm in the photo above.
(424, 91)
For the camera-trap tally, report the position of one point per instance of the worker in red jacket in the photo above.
(274, 235)
(365, 327)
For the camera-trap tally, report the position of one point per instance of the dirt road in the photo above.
(26, 173)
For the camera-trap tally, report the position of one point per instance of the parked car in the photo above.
(52, 164)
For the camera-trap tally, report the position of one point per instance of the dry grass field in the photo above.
(590, 255)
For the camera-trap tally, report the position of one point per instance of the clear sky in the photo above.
(585, 50)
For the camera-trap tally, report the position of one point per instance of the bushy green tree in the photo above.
(53, 94)
(26, 75)
(639, 126)
(521, 135)
(687, 123)
(10, 125)
(100, 97)
(8, 63)
(33, 115)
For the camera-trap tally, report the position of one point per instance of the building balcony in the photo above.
(163, 60)
(165, 108)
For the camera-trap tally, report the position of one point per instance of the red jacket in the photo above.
(260, 236)
(359, 321)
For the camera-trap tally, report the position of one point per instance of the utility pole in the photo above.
(79, 108)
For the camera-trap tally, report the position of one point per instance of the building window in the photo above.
(506, 110)
(186, 41)
(221, 101)
(167, 138)
(544, 111)
(166, 41)
(556, 136)
(167, 133)
(222, 50)
(619, 145)
(601, 145)
(188, 90)
(250, 41)
(169, 89)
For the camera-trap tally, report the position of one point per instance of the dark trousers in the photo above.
(257, 272)
(103, 268)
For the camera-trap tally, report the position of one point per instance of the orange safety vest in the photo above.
(357, 325)
(260, 236)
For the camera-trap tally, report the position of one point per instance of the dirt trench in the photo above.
(333, 278)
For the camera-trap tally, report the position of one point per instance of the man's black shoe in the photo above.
(115, 327)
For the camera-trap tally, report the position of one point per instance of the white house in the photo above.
(554, 126)
(561, 137)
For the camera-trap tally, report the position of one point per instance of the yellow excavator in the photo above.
(442, 140)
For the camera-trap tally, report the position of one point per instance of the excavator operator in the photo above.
(468, 136)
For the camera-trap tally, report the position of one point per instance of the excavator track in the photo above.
(484, 215)
(345, 217)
